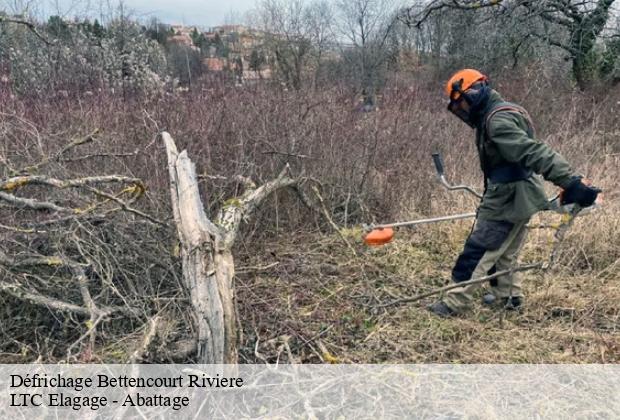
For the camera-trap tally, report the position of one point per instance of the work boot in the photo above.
(439, 308)
(511, 303)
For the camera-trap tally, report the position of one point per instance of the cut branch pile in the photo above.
(59, 253)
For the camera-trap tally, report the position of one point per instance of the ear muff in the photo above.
(457, 90)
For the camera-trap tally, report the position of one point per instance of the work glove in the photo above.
(580, 193)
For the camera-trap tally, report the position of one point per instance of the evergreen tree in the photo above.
(98, 29)
(257, 59)
(195, 35)
(58, 28)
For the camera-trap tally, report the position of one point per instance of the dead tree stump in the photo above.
(206, 251)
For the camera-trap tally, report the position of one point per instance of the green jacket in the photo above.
(504, 141)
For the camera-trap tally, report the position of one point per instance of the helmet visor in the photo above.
(455, 107)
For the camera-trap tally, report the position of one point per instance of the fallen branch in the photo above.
(41, 300)
(257, 268)
(89, 333)
(16, 182)
(56, 304)
(135, 188)
(36, 298)
(332, 223)
(124, 206)
(462, 284)
(32, 204)
(150, 334)
(21, 230)
(98, 155)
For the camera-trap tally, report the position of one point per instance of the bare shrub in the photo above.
(370, 166)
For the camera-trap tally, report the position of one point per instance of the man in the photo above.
(511, 160)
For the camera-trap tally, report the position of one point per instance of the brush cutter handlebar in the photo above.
(438, 163)
(555, 203)
(440, 174)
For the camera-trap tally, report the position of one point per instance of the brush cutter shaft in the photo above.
(426, 221)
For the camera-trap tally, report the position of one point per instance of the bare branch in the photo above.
(238, 209)
(332, 223)
(150, 334)
(40, 300)
(465, 283)
(556, 19)
(417, 19)
(14, 183)
(556, 43)
(78, 142)
(56, 262)
(89, 333)
(126, 207)
(29, 25)
(31, 203)
(98, 155)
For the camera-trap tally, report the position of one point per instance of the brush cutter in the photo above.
(382, 234)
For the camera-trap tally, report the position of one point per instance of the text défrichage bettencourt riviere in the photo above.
(65, 387)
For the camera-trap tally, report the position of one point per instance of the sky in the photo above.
(203, 13)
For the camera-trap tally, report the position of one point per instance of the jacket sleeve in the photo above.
(515, 145)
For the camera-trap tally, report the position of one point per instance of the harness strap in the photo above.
(507, 106)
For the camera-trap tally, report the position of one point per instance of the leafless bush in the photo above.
(81, 265)
(370, 166)
(515, 31)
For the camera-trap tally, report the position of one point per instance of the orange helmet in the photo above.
(461, 81)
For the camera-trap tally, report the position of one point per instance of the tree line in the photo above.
(308, 43)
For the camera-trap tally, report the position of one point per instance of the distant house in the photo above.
(215, 63)
(226, 29)
(240, 36)
(253, 75)
(241, 42)
(249, 40)
(185, 40)
(183, 36)
(183, 30)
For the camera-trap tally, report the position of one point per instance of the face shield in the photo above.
(465, 104)
(457, 108)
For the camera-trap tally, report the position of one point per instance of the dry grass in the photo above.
(319, 292)
(297, 285)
